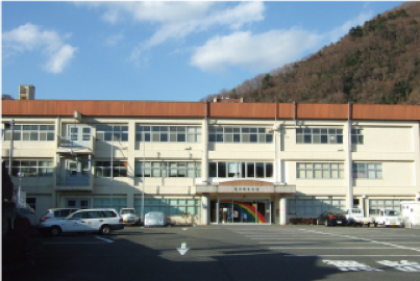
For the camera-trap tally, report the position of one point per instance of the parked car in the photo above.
(130, 216)
(155, 219)
(356, 216)
(86, 220)
(329, 218)
(388, 217)
(57, 213)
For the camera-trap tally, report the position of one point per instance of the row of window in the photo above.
(240, 135)
(168, 133)
(31, 168)
(241, 169)
(42, 168)
(30, 133)
(183, 134)
(168, 206)
(314, 207)
(168, 169)
(319, 170)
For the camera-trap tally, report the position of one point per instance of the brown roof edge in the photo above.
(152, 109)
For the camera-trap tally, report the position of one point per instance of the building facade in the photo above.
(204, 163)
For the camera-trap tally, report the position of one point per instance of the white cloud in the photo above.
(265, 51)
(30, 37)
(257, 52)
(177, 20)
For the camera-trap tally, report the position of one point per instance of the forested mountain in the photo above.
(378, 62)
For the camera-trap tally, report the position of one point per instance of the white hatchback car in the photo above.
(86, 220)
(130, 216)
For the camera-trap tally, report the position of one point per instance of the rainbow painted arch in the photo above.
(247, 209)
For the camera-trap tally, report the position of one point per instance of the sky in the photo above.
(162, 51)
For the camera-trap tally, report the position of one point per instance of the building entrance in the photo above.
(233, 211)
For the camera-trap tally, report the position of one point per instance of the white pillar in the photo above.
(283, 210)
(204, 144)
(349, 166)
(205, 209)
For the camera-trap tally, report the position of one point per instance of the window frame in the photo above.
(323, 168)
(28, 131)
(242, 169)
(240, 134)
(366, 167)
(326, 135)
(112, 132)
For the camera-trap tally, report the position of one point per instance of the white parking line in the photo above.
(106, 240)
(367, 240)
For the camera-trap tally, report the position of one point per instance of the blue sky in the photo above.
(166, 51)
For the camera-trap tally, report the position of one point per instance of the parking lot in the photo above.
(219, 252)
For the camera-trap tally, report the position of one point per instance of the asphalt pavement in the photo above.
(226, 252)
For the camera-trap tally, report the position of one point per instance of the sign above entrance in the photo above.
(247, 189)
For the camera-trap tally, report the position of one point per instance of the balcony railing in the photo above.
(68, 143)
(73, 181)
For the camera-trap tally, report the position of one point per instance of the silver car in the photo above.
(155, 219)
(129, 216)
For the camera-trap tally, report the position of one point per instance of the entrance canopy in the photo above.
(245, 186)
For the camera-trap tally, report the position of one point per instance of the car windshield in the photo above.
(127, 212)
(391, 213)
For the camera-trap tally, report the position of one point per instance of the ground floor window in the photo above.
(313, 207)
(179, 206)
(376, 204)
(117, 203)
(31, 202)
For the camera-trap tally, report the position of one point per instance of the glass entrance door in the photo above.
(245, 211)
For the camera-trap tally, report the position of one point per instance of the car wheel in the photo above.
(375, 225)
(105, 230)
(55, 231)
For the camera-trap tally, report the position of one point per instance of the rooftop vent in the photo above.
(26, 92)
(228, 100)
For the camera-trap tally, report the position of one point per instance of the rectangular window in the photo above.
(376, 204)
(30, 133)
(367, 170)
(168, 133)
(319, 170)
(241, 169)
(319, 136)
(181, 206)
(168, 169)
(110, 133)
(104, 168)
(240, 134)
(33, 168)
(357, 136)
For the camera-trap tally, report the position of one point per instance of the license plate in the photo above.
(393, 224)
(366, 222)
(339, 222)
(126, 220)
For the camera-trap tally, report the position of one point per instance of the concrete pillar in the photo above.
(204, 144)
(348, 164)
(283, 210)
(205, 209)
